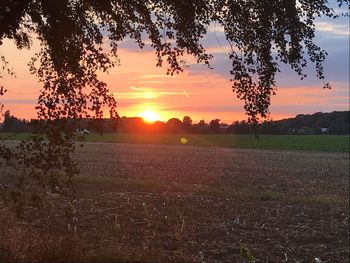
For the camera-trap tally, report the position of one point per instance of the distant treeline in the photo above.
(336, 122)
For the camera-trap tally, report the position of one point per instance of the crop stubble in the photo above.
(160, 203)
(203, 203)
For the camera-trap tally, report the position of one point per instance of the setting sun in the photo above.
(150, 116)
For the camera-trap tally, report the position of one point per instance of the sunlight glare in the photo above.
(149, 95)
(150, 116)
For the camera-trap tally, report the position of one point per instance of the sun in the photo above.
(150, 116)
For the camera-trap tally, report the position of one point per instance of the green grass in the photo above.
(331, 143)
(14, 136)
(278, 142)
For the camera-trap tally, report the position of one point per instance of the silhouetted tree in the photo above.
(270, 127)
(7, 115)
(242, 127)
(202, 123)
(201, 127)
(336, 122)
(187, 123)
(215, 125)
(174, 125)
(187, 120)
(12, 124)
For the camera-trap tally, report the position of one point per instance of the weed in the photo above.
(246, 255)
(22, 242)
(271, 196)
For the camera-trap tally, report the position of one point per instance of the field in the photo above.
(281, 142)
(183, 203)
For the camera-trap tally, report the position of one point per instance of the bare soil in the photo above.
(158, 203)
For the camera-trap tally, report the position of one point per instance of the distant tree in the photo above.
(157, 127)
(13, 124)
(214, 125)
(339, 127)
(187, 120)
(131, 125)
(334, 122)
(270, 127)
(242, 127)
(7, 115)
(174, 125)
(187, 123)
(201, 123)
(200, 127)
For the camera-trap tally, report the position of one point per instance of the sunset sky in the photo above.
(141, 88)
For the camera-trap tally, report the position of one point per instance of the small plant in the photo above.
(179, 228)
(271, 196)
(246, 254)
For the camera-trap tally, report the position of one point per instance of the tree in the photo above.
(12, 124)
(187, 123)
(201, 123)
(241, 127)
(214, 125)
(7, 115)
(201, 127)
(187, 120)
(174, 125)
(72, 33)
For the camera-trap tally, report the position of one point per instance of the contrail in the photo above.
(134, 88)
(186, 94)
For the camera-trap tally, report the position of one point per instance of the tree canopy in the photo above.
(73, 33)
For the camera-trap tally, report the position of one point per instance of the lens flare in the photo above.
(184, 140)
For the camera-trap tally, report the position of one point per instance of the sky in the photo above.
(142, 89)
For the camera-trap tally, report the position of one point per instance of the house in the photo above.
(82, 131)
(224, 128)
(324, 130)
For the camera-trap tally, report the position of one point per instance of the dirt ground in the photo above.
(158, 203)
